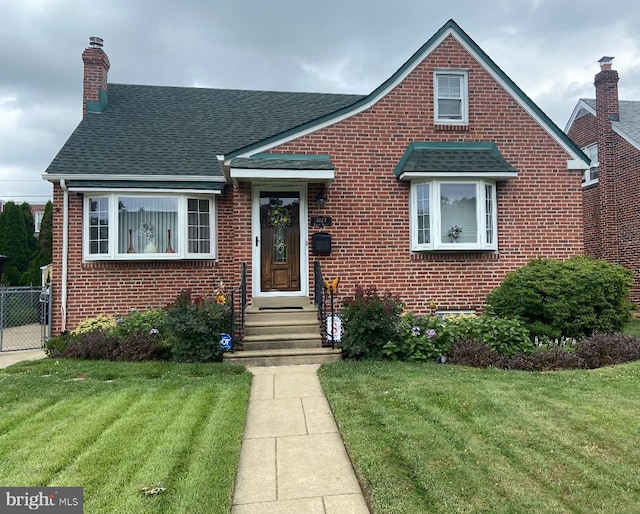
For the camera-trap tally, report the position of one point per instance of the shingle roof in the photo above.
(158, 130)
(629, 117)
(455, 158)
(276, 163)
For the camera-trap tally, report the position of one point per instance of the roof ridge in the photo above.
(269, 91)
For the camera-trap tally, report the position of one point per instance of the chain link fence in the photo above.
(25, 317)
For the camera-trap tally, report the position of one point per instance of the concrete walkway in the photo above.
(292, 458)
(9, 358)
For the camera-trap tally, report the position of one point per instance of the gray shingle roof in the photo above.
(629, 117)
(445, 158)
(158, 130)
(275, 164)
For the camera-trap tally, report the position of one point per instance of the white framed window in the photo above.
(132, 226)
(590, 176)
(37, 220)
(453, 215)
(451, 97)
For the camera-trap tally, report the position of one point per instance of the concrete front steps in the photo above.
(282, 331)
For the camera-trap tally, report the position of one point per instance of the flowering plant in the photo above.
(148, 230)
(219, 293)
(454, 232)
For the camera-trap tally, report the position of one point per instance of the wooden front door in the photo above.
(280, 241)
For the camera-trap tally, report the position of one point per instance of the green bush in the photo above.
(100, 322)
(573, 298)
(150, 321)
(504, 336)
(195, 325)
(369, 322)
(56, 346)
(416, 339)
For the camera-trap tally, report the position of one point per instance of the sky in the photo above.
(549, 48)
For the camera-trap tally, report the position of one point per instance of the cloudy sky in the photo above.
(549, 48)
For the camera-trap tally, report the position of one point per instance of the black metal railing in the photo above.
(238, 300)
(320, 299)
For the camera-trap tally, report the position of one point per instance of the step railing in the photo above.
(238, 300)
(320, 299)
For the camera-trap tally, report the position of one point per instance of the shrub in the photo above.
(101, 322)
(57, 345)
(94, 345)
(140, 347)
(369, 321)
(471, 352)
(573, 298)
(416, 339)
(196, 325)
(607, 349)
(543, 359)
(147, 322)
(505, 336)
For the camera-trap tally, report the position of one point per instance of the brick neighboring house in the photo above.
(164, 188)
(608, 130)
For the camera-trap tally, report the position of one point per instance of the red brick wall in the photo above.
(116, 287)
(584, 132)
(539, 212)
(627, 171)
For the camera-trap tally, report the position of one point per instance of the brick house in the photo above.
(434, 186)
(608, 131)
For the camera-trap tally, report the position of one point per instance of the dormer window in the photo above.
(590, 176)
(451, 97)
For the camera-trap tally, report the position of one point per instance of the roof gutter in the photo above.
(65, 253)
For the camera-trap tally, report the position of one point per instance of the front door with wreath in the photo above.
(280, 241)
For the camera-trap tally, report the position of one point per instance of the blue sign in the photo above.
(226, 343)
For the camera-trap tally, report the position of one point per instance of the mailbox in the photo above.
(321, 243)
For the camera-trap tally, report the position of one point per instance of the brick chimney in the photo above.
(607, 110)
(94, 83)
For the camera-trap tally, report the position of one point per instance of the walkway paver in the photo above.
(293, 459)
(9, 358)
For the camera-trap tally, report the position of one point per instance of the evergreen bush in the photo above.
(573, 298)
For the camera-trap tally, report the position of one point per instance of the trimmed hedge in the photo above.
(574, 298)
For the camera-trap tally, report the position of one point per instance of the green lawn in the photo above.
(633, 327)
(433, 438)
(113, 427)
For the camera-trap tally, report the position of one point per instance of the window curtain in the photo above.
(147, 225)
(458, 209)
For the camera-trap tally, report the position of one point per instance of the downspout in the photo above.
(65, 253)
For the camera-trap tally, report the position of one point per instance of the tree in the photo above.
(14, 243)
(44, 253)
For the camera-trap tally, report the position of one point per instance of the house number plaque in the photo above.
(320, 221)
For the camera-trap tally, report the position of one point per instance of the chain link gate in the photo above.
(25, 317)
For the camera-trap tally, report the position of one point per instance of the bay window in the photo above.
(148, 226)
(453, 215)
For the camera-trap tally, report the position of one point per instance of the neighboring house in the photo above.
(436, 184)
(38, 214)
(608, 130)
(1, 205)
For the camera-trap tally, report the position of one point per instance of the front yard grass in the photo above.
(113, 427)
(434, 438)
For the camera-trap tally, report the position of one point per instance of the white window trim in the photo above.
(180, 250)
(586, 175)
(435, 219)
(464, 74)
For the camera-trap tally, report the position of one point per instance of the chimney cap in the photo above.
(95, 42)
(605, 62)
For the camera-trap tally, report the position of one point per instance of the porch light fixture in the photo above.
(321, 198)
